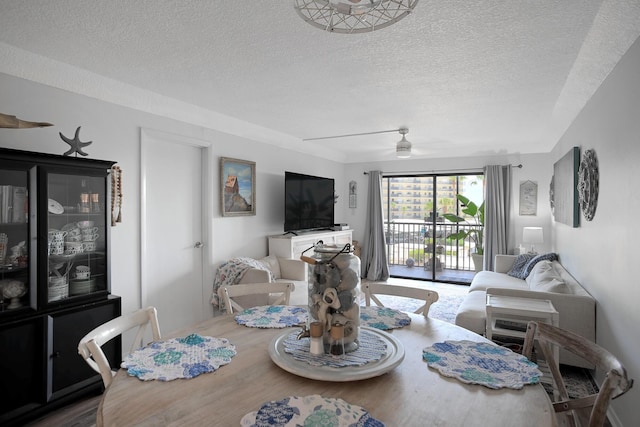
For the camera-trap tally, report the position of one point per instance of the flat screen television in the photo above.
(308, 202)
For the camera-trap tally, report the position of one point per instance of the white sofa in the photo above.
(284, 270)
(577, 308)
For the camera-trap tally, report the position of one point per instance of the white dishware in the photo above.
(85, 224)
(90, 237)
(82, 272)
(89, 246)
(55, 207)
(73, 248)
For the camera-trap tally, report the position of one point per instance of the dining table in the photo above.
(410, 394)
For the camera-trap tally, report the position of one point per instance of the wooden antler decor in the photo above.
(12, 122)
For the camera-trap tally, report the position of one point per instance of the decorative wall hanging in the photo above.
(116, 195)
(565, 188)
(353, 194)
(75, 143)
(588, 177)
(238, 192)
(528, 198)
(12, 122)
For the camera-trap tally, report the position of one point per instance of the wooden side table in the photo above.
(508, 316)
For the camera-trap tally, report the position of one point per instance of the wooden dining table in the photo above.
(410, 394)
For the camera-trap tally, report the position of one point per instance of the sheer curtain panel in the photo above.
(374, 250)
(497, 208)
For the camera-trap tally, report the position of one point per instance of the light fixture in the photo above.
(353, 16)
(532, 235)
(403, 147)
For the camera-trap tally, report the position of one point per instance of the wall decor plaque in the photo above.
(528, 198)
(588, 177)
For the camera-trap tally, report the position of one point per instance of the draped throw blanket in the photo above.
(230, 273)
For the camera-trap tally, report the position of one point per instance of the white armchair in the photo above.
(284, 270)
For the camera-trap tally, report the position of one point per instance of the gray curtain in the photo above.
(374, 250)
(497, 206)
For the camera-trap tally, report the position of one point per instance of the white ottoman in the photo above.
(472, 313)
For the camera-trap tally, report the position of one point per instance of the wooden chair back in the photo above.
(282, 291)
(371, 289)
(90, 345)
(584, 411)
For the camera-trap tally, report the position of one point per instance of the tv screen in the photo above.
(309, 202)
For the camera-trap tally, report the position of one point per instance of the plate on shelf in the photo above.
(55, 207)
(393, 357)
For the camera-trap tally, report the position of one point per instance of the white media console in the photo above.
(292, 246)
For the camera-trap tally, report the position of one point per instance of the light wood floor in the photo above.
(74, 415)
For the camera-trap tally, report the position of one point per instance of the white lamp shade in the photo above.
(403, 148)
(532, 235)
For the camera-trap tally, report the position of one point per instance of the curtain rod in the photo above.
(519, 166)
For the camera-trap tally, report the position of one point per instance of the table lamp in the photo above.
(532, 235)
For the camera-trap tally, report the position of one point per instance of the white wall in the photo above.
(599, 253)
(115, 132)
(535, 167)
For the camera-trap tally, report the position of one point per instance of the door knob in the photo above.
(198, 245)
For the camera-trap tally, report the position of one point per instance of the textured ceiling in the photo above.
(466, 78)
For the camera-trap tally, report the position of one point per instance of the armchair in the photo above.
(284, 270)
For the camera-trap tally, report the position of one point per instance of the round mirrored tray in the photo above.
(393, 357)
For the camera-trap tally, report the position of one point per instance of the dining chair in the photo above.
(371, 289)
(575, 412)
(282, 291)
(90, 346)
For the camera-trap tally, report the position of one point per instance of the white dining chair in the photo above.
(90, 346)
(371, 289)
(586, 410)
(279, 293)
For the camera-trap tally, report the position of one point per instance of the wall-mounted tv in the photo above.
(308, 202)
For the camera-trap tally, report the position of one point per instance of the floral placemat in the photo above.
(313, 410)
(272, 316)
(482, 363)
(370, 349)
(383, 318)
(175, 358)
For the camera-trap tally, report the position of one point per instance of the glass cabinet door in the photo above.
(15, 285)
(76, 235)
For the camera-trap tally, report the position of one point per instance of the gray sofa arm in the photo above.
(503, 263)
(293, 269)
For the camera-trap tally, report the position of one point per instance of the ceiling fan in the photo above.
(403, 147)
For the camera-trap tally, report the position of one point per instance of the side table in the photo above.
(508, 316)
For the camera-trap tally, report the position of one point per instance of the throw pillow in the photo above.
(551, 256)
(519, 265)
(272, 264)
(541, 267)
(547, 279)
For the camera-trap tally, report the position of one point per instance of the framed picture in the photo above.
(564, 190)
(238, 192)
(528, 197)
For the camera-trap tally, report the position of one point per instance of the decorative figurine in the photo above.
(75, 143)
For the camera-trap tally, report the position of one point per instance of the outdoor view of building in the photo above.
(417, 231)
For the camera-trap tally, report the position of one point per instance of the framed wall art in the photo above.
(238, 192)
(564, 199)
(528, 198)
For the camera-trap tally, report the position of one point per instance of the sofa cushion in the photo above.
(472, 313)
(551, 256)
(271, 263)
(490, 279)
(545, 278)
(518, 269)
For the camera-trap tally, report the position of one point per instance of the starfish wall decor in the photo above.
(75, 143)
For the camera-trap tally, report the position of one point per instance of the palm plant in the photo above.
(474, 233)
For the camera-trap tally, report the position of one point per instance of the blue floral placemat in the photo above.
(383, 318)
(272, 316)
(175, 358)
(313, 410)
(370, 349)
(482, 363)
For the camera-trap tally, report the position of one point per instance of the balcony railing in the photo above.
(421, 240)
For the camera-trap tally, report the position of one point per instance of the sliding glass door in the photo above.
(417, 234)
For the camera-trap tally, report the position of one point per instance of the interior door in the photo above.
(173, 238)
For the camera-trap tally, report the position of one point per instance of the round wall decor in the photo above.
(588, 177)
